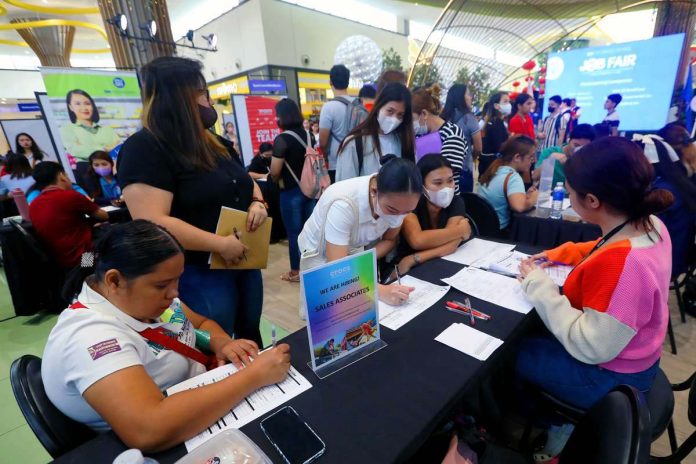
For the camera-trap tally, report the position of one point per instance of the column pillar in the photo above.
(130, 53)
(673, 17)
(52, 45)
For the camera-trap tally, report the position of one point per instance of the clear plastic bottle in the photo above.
(133, 456)
(557, 201)
(21, 202)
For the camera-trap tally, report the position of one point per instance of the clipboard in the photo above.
(257, 241)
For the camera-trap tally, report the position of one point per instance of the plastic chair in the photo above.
(483, 214)
(56, 432)
(616, 430)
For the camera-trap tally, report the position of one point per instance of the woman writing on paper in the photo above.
(357, 212)
(608, 325)
(101, 368)
(178, 174)
(438, 224)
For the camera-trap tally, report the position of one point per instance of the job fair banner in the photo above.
(255, 119)
(643, 72)
(342, 308)
(90, 110)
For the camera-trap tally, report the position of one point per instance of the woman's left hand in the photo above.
(256, 215)
(236, 351)
(406, 264)
(527, 266)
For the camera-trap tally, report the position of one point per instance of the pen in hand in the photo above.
(273, 336)
(236, 234)
(398, 276)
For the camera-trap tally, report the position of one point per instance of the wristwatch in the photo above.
(416, 258)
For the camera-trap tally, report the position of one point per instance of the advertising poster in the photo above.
(643, 72)
(342, 309)
(90, 110)
(255, 121)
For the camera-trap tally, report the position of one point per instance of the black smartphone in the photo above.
(296, 442)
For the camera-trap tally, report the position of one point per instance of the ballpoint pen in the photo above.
(471, 311)
(464, 308)
(398, 276)
(455, 308)
(273, 336)
(236, 234)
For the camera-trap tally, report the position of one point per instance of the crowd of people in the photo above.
(175, 175)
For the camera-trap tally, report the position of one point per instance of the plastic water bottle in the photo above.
(133, 456)
(557, 201)
(21, 202)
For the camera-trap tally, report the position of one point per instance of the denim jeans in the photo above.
(545, 363)
(232, 298)
(295, 208)
(466, 182)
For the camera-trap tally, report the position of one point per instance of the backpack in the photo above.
(557, 126)
(355, 114)
(315, 176)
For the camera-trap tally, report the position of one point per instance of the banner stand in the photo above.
(342, 308)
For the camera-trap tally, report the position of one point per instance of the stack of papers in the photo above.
(477, 251)
(469, 341)
(495, 288)
(423, 297)
(509, 265)
(253, 406)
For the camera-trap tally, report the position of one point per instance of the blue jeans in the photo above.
(545, 363)
(466, 182)
(232, 298)
(295, 208)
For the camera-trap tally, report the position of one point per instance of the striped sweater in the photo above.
(454, 149)
(613, 311)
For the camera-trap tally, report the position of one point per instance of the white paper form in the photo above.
(476, 250)
(510, 265)
(495, 288)
(469, 341)
(423, 297)
(253, 406)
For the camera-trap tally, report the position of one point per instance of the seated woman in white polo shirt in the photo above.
(102, 366)
(359, 211)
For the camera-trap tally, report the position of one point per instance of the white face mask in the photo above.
(388, 123)
(418, 128)
(505, 108)
(441, 198)
(392, 220)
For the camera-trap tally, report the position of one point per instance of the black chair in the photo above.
(56, 432)
(616, 430)
(483, 215)
(665, 421)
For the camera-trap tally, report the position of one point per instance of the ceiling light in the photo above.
(120, 21)
(150, 27)
(211, 39)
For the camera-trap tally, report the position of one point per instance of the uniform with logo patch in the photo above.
(93, 339)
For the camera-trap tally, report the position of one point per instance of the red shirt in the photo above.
(522, 126)
(58, 217)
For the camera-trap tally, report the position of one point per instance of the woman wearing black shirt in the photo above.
(495, 132)
(178, 174)
(289, 150)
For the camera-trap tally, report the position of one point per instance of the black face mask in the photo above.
(551, 109)
(208, 116)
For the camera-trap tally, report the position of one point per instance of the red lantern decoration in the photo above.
(542, 92)
(516, 84)
(513, 95)
(543, 70)
(529, 79)
(542, 80)
(529, 65)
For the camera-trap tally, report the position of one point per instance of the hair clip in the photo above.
(87, 260)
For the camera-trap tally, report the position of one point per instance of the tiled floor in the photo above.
(27, 335)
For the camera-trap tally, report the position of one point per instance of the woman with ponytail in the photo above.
(608, 324)
(521, 121)
(502, 183)
(127, 337)
(455, 148)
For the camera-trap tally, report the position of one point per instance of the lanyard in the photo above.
(604, 240)
(158, 336)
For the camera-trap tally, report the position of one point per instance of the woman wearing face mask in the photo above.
(495, 131)
(357, 212)
(260, 166)
(458, 110)
(387, 130)
(178, 174)
(102, 183)
(426, 107)
(437, 226)
(502, 183)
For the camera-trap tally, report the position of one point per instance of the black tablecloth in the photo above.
(537, 229)
(382, 408)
